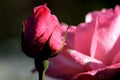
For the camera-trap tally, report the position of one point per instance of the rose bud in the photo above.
(42, 38)
(42, 34)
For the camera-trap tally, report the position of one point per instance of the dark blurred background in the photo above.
(14, 65)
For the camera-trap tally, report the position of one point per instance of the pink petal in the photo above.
(69, 63)
(70, 36)
(83, 37)
(63, 66)
(43, 24)
(56, 41)
(114, 52)
(116, 58)
(107, 73)
(117, 9)
(106, 35)
(88, 62)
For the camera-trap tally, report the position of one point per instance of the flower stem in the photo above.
(41, 66)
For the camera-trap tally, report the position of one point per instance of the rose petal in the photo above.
(83, 37)
(70, 36)
(117, 9)
(43, 24)
(86, 61)
(116, 58)
(114, 52)
(69, 63)
(108, 73)
(63, 66)
(106, 35)
(55, 41)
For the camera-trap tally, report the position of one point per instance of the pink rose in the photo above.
(92, 50)
(42, 31)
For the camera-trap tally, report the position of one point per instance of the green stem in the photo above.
(41, 66)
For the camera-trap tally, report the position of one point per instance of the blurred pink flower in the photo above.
(92, 50)
(42, 31)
